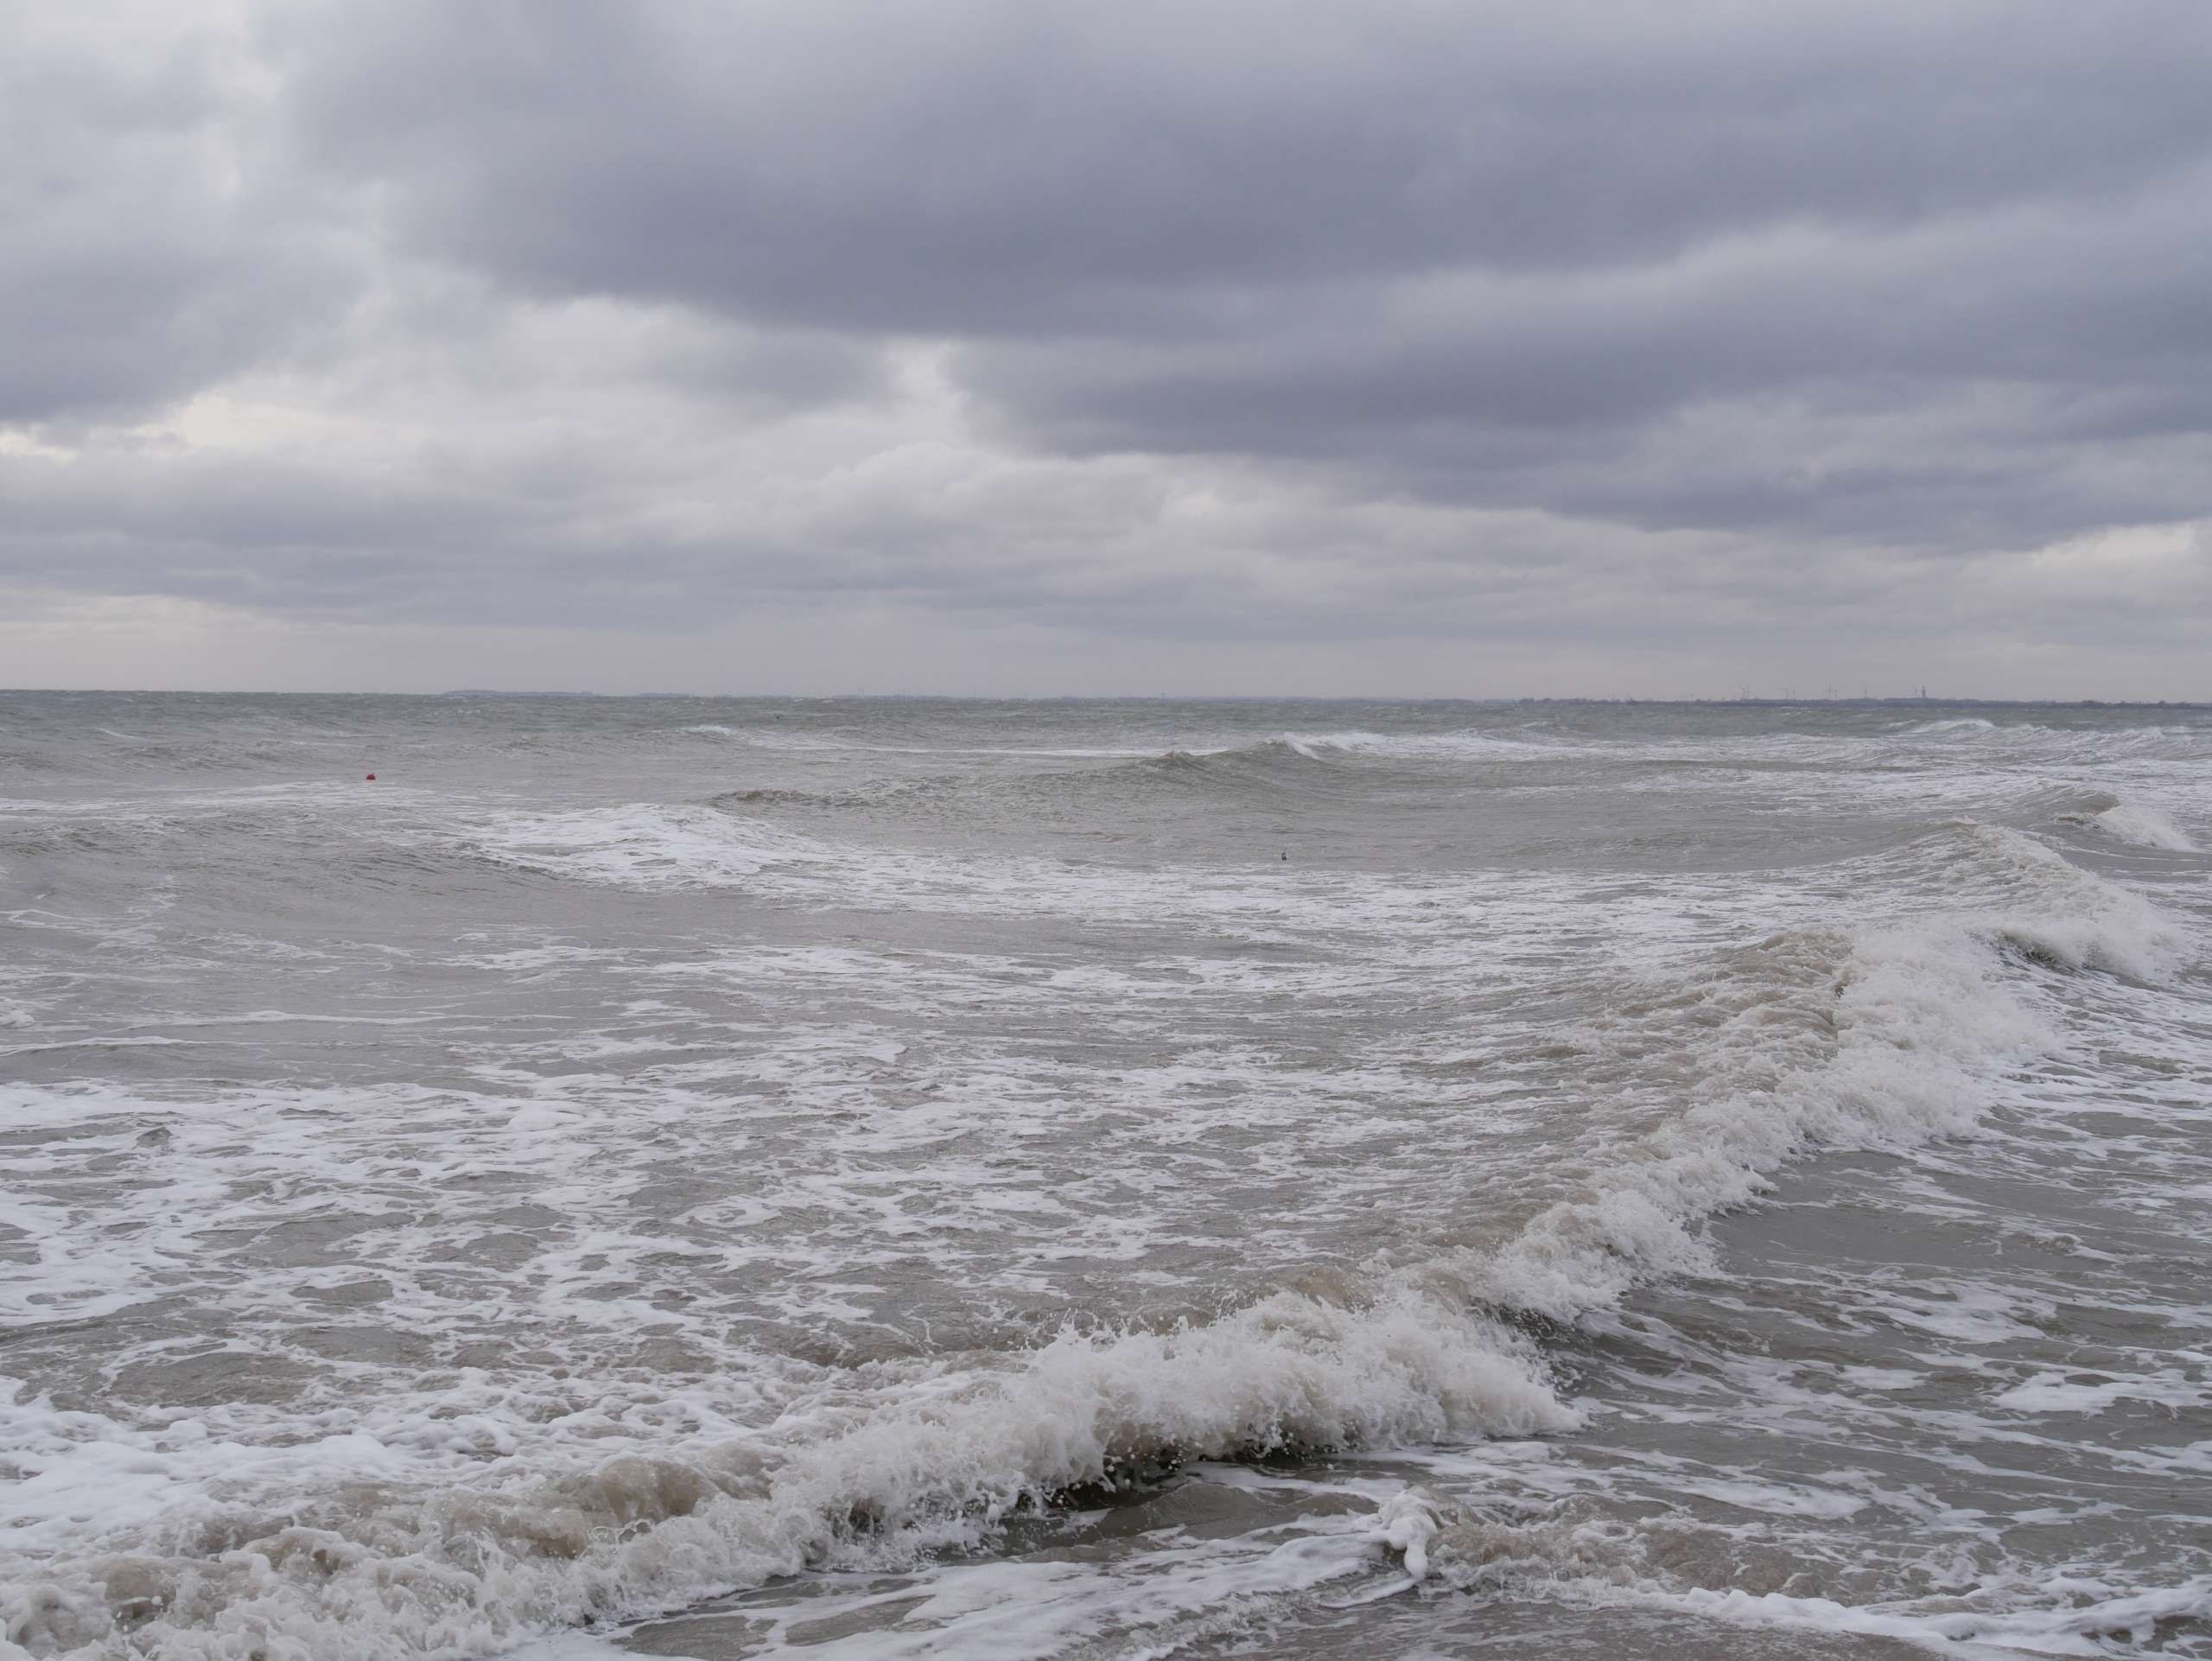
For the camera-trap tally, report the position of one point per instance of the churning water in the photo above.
(900, 1178)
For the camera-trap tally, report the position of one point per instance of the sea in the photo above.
(871, 1178)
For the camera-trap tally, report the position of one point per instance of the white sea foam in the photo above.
(1462, 744)
(1609, 1565)
(641, 844)
(466, 1570)
(1917, 1018)
(2054, 1392)
(710, 1355)
(2092, 1617)
(2146, 827)
(1922, 1017)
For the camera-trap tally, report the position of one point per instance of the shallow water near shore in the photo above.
(887, 1178)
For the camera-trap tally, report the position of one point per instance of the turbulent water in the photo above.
(900, 1178)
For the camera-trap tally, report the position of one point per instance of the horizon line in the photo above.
(1742, 701)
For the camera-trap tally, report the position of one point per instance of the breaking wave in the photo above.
(640, 845)
(470, 1570)
(1956, 725)
(1812, 1038)
(2135, 823)
(1873, 1037)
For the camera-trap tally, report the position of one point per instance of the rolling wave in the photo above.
(1864, 1036)
(2134, 823)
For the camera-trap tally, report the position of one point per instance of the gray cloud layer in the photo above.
(1676, 329)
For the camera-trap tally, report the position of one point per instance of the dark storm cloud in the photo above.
(1604, 322)
(963, 168)
(1469, 251)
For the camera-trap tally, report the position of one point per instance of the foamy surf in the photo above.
(1956, 725)
(1438, 1539)
(1919, 1020)
(384, 1566)
(1880, 1037)
(916, 1184)
(2145, 827)
(643, 844)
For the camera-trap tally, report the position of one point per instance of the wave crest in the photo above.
(2135, 823)
(471, 1570)
(1897, 1034)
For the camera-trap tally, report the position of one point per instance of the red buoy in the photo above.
(372, 778)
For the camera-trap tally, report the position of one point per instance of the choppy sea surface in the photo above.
(880, 1179)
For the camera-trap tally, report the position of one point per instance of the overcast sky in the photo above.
(1429, 347)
